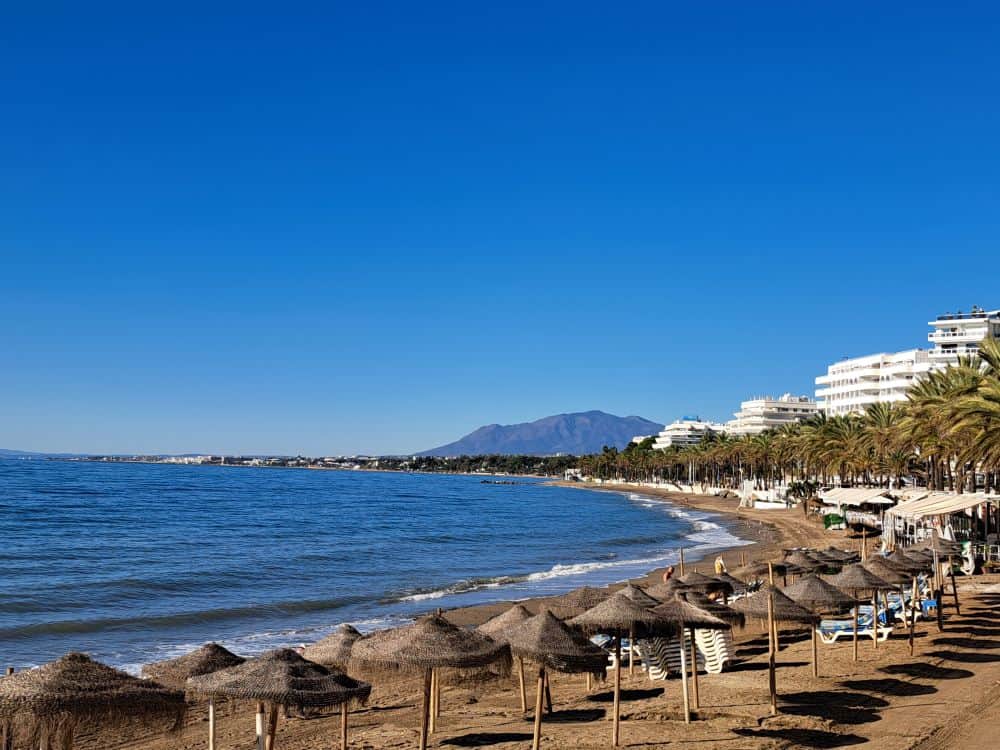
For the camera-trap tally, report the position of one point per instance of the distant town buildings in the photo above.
(851, 385)
(768, 413)
(686, 431)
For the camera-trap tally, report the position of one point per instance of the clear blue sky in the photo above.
(373, 227)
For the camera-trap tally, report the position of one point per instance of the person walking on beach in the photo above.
(668, 573)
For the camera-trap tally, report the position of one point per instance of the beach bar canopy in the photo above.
(855, 496)
(924, 505)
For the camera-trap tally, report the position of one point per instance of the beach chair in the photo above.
(830, 631)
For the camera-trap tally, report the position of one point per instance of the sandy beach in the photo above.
(946, 695)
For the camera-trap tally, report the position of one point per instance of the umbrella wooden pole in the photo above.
(259, 724)
(437, 697)
(432, 709)
(589, 681)
(272, 726)
(771, 678)
(875, 620)
(537, 736)
(815, 648)
(855, 638)
(694, 670)
(343, 726)
(548, 694)
(938, 590)
(914, 603)
(631, 647)
(954, 587)
(426, 709)
(520, 678)
(682, 562)
(618, 690)
(864, 544)
(211, 724)
(684, 678)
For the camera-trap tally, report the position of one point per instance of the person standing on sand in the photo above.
(720, 565)
(668, 573)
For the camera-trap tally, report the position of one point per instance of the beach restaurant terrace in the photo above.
(970, 517)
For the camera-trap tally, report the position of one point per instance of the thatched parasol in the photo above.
(335, 649)
(819, 597)
(618, 615)
(857, 578)
(497, 629)
(706, 584)
(550, 643)
(52, 700)
(714, 608)
(843, 555)
(785, 610)
(886, 570)
(284, 678)
(639, 595)
(755, 571)
(911, 564)
(802, 560)
(666, 590)
(736, 583)
(429, 643)
(174, 673)
(577, 601)
(686, 615)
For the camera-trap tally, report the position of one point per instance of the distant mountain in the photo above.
(8, 453)
(578, 434)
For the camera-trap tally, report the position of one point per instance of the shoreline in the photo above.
(763, 537)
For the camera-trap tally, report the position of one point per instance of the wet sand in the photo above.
(940, 698)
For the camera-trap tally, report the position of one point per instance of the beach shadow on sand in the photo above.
(627, 694)
(973, 643)
(964, 658)
(890, 686)
(927, 671)
(840, 706)
(484, 739)
(747, 666)
(572, 716)
(803, 737)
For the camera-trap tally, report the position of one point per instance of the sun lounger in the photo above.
(830, 631)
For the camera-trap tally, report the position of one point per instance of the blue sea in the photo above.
(138, 562)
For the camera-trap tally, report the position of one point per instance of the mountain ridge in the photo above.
(576, 433)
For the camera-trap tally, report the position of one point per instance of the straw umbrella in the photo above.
(756, 571)
(943, 548)
(685, 615)
(429, 643)
(802, 561)
(174, 673)
(819, 597)
(335, 649)
(618, 616)
(666, 590)
(52, 700)
(640, 597)
(578, 601)
(715, 608)
(284, 678)
(857, 578)
(736, 583)
(547, 641)
(913, 566)
(497, 629)
(769, 602)
(706, 584)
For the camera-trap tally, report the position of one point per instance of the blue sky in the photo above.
(347, 229)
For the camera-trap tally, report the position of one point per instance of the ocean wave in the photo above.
(462, 587)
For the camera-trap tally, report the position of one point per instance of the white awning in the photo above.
(854, 496)
(940, 503)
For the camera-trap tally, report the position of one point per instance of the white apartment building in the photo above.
(959, 334)
(852, 384)
(686, 431)
(767, 413)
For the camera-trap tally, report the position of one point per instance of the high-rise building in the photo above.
(852, 384)
(686, 431)
(768, 413)
(959, 334)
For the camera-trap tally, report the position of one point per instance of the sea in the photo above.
(134, 563)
